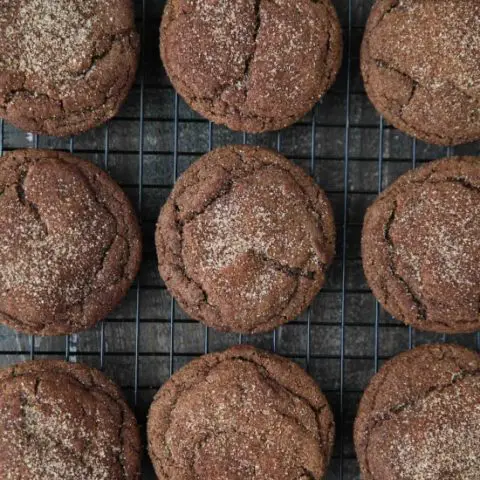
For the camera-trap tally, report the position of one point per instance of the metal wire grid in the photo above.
(345, 388)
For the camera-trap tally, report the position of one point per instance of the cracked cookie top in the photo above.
(244, 239)
(242, 413)
(65, 65)
(421, 246)
(70, 243)
(63, 421)
(420, 61)
(253, 65)
(419, 418)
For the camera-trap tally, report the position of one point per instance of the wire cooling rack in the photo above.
(344, 336)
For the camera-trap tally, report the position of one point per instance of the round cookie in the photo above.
(244, 239)
(420, 61)
(419, 418)
(241, 413)
(65, 421)
(65, 65)
(252, 65)
(70, 244)
(421, 246)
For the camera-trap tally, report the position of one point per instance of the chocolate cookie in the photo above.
(420, 61)
(70, 244)
(242, 413)
(244, 239)
(65, 421)
(252, 65)
(421, 246)
(65, 65)
(420, 418)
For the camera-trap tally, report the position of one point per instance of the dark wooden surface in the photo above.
(375, 157)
